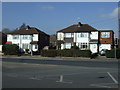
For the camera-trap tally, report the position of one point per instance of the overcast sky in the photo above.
(53, 16)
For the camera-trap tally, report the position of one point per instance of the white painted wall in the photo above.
(62, 46)
(82, 39)
(93, 48)
(33, 47)
(0, 48)
(14, 41)
(9, 37)
(94, 35)
(104, 46)
(35, 37)
(60, 36)
(21, 40)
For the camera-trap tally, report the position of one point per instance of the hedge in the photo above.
(48, 53)
(111, 53)
(10, 49)
(66, 53)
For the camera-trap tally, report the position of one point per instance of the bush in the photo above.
(49, 53)
(66, 53)
(94, 55)
(74, 47)
(111, 53)
(85, 53)
(10, 49)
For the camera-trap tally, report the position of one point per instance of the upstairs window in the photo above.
(15, 36)
(26, 37)
(105, 34)
(69, 35)
(82, 35)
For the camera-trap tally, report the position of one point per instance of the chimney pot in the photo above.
(79, 24)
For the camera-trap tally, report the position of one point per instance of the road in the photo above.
(34, 73)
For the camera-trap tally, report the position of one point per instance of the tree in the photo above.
(23, 25)
(5, 30)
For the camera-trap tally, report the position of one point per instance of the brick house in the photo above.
(3, 39)
(106, 39)
(29, 38)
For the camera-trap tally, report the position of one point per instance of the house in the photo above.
(53, 41)
(3, 39)
(85, 37)
(29, 38)
(82, 35)
(106, 39)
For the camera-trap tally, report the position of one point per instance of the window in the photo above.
(82, 35)
(68, 35)
(83, 45)
(105, 34)
(26, 37)
(67, 45)
(15, 36)
(25, 46)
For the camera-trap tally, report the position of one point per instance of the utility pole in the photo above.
(115, 50)
(31, 46)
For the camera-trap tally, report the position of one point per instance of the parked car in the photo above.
(102, 52)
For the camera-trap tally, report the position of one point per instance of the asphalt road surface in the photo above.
(32, 73)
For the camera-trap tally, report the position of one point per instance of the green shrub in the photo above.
(111, 53)
(85, 53)
(74, 47)
(118, 53)
(94, 55)
(49, 53)
(10, 49)
(66, 53)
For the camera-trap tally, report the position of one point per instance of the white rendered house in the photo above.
(28, 38)
(83, 35)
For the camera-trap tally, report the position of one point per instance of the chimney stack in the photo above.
(79, 24)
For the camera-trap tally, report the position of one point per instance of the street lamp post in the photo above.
(31, 46)
(115, 50)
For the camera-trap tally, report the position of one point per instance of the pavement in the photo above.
(99, 58)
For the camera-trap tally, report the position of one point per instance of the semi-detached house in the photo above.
(82, 35)
(28, 38)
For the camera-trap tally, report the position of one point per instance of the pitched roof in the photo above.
(27, 31)
(78, 28)
(105, 30)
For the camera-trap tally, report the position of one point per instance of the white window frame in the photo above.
(82, 35)
(26, 37)
(69, 35)
(15, 36)
(83, 45)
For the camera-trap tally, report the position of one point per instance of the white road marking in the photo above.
(61, 80)
(116, 82)
(34, 78)
(96, 85)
